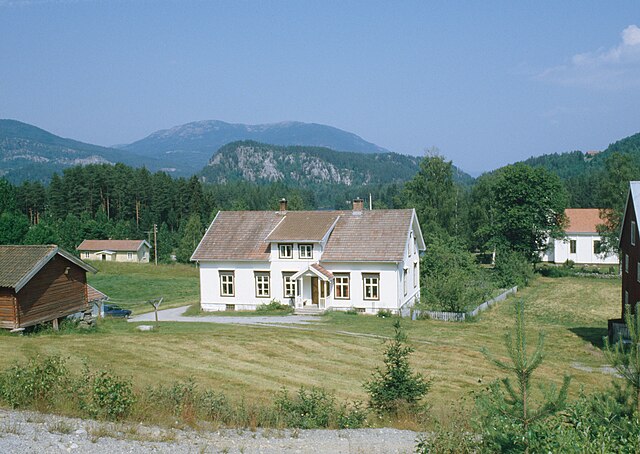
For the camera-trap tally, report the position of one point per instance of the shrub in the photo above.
(397, 384)
(35, 383)
(111, 397)
(316, 409)
(384, 313)
(275, 306)
(511, 269)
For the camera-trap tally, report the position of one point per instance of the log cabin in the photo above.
(40, 284)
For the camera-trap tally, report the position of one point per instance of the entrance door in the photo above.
(104, 257)
(314, 290)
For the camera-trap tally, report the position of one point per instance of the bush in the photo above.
(110, 397)
(384, 313)
(453, 281)
(316, 409)
(275, 306)
(511, 269)
(397, 385)
(36, 383)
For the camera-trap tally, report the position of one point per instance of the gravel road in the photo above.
(29, 432)
(175, 315)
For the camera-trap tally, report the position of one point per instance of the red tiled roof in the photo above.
(110, 245)
(583, 220)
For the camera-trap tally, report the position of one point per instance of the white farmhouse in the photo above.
(314, 260)
(582, 242)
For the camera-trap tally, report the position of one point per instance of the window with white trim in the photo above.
(288, 285)
(633, 233)
(405, 275)
(416, 279)
(341, 284)
(286, 251)
(597, 246)
(371, 286)
(626, 263)
(410, 243)
(129, 255)
(305, 251)
(227, 285)
(638, 272)
(626, 297)
(572, 246)
(262, 284)
(87, 255)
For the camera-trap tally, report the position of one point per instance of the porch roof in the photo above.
(316, 270)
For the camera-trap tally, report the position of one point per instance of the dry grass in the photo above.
(253, 363)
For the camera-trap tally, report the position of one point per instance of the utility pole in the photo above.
(155, 242)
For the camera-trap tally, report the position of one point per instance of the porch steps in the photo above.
(308, 310)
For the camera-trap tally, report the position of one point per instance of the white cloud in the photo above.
(614, 68)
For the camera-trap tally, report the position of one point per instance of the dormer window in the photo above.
(286, 250)
(305, 251)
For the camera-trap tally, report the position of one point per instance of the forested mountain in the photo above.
(190, 146)
(305, 166)
(31, 153)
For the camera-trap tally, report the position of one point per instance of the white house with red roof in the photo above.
(582, 242)
(314, 260)
(133, 251)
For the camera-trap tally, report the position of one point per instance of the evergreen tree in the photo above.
(396, 384)
(13, 227)
(191, 236)
(507, 407)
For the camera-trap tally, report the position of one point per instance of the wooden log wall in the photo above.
(7, 310)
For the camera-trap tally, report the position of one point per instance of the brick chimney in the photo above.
(358, 205)
(283, 204)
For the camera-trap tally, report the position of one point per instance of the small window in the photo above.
(410, 243)
(360, 310)
(229, 307)
(305, 251)
(597, 246)
(262, 284)
(371, 286)
(342, 287)
(626, 263)
(405, 275)
(286, 251)
(638, 272)
(633, 233)
(129, 255)
(86, 255)
(416, 277)
(572, 246)
(626, 298)
(227, 287)
(289, 285)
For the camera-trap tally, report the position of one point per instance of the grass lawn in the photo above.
(339, 352)
(130, 285)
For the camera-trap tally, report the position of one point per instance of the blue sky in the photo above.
(488, 83)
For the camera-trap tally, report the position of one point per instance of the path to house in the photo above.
(175, 315)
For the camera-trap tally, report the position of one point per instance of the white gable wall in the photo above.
(560, 252)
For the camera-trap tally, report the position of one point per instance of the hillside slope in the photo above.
(304, 166)
(30, 153)
(190, 146)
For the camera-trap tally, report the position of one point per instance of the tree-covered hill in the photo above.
(191, 145)
(305, 166)
(31, 153)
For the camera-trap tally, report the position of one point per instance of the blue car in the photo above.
(111, 310)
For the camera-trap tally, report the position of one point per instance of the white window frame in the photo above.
(633, 233)
(129, 255)
(597, 247)
(416, 274)
(573, 246)
(638, 272)
(371, 286)
(626, 263)
(87, 255)
(263, 284)
(227, 283)
(308, 251)
(410, 243)
(341, 283)
(405, 275)
(289, 286)
(285, 250)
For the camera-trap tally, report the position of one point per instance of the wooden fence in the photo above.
(462, 316)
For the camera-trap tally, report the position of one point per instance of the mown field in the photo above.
(338, 352)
